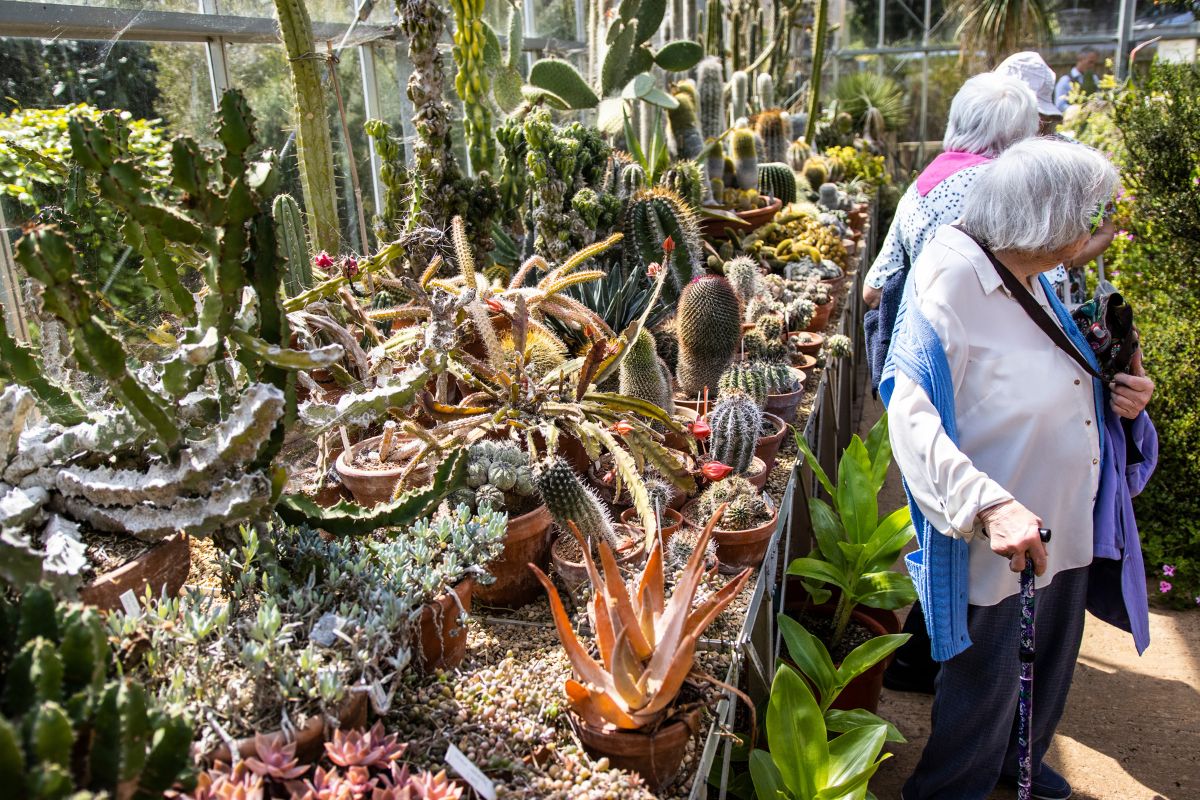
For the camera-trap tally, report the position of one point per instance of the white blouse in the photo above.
(1025, 413)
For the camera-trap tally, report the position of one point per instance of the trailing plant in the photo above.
(736, 421)
(855, 548)
(646, 641)
(709, 324)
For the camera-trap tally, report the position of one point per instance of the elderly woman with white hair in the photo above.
(999, 430)
(989, 113)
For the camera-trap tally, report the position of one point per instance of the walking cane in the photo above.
(1025, 698)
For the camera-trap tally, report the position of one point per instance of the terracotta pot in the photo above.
(669, 522)
(526, 542)
(441, 637)
(310, 739)
(608, 496)
(768, 446)
(693, 405)
(784, 405)
(164, 568)
(820, 318)
(655, 755)
(759, 480)
(804, 362)
(371, 487)
(739, 549)
(809, 342)
(713, 227)
(681, 441)
(574, 573)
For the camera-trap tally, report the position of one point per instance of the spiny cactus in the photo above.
(685, 124)
(777, 180)
(745, 507)
(709, 323)
(652, 216)
(472, 81)
(736, 422)
(710, 85)
(780, 378)
(742, 273)
(772, 132)
(687, 179)
(293, 246)
(568, 500)
(632, 181)
(798, 153)
(745, 158)
(832, 198)
(839, 346)
(739, 95)
(760, 348)
(771, 326)
(65, 726)
(765, 90)
(816, 172)
(748, 378)
(797, 122)
(644, 375)
(498, 475)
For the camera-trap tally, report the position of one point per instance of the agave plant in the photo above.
(995, 27)
(859, 92)
(647, 643)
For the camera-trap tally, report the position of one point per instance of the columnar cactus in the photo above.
(685, 124)
(709, 323)
(798, 153)
(65, 725)
(766, 90)
(736, 422)
(568, 500)
(777, 180)
(745, 377)
(745, 158)
(314, 148)
(632, 181)
(687, 179)
(644, 375)
(772, 132)
(710, 85)
(293, 245)
(742, 273)
(739, 96)
(472, 82)
(652, 216)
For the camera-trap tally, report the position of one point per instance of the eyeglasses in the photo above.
(1103, 215)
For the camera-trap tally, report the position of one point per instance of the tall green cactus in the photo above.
(739, 96)
(652, 216)
(773, 132)
(687, 179)
(644, 375)
(472, 81)
(745, 158)
(777, 180)
(568, 500)
(293, 245)
(314, 148)
(685, 124)
(710, 85)
(65, 726)
(820, 35)
(736, 421)
(745, 377)
(709, 323)
(765, 91)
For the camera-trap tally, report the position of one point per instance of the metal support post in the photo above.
(370, 84)
(882, 25)
(1126, 15)
(924, 127)
(218, 67)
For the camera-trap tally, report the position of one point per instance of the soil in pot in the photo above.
(526, 542)
(127, 564)
(441, 636)
(566, 555)
(863, 691)
(808, 342)
(668, 523)
(654, 754)
(804, 362)
(602, 475)
(370, 480)
(769, 441)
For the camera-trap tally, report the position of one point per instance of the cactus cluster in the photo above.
(839, 346)
(709, 324)
(498, 476)
(472, 81)
(568, 500)
(748, 378)
(777, 180)
(644, 375)
(687, 179)
(780, 378)
(771, 326)
(736, 421)
(66, 727)
(746, 507)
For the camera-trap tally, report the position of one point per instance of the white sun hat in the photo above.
(1029, 68)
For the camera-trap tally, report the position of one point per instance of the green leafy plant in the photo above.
(855, 548)
(860, 92)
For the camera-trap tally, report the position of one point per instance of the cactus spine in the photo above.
(739, 95)
(747, 378)
(652, 216)
(736, 421)
(687, 179)
(472, 82)
(314, 149)
(568, 500)
(771, 131)
(644, 375)
(780, 378)
(777, 180)
(293, 247)
(709, 322)
(742, 273)
(745, 158)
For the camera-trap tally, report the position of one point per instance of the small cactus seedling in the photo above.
(742, 273)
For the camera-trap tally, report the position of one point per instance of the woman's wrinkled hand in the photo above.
(1012, 530)
(872, 296)
(1131, 393)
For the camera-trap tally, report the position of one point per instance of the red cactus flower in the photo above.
(715, 470)
(700, 429)
(323, 260)
(624, 427)
(494, 305)
(350, 266)
(668, 246)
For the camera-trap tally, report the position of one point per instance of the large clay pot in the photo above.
(820, 318)
(526, 542)
(768, 446)
(739, 549)
(669, 522)
(310, 738)
(164, 568)
(784, 405)
(808, 342)
(656, 754)
(715, 227)
(371, 487)
(441, 637)
(574, 573)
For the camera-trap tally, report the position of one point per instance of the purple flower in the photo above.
(1164, 587)
(1169, 570)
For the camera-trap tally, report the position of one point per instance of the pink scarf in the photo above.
(944, 166)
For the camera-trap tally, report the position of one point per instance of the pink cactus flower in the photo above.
(1164, 587)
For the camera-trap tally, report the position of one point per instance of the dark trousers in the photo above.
(973, 740)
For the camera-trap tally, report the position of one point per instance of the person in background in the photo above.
(1082, 75)
(1000, 430)
(1069, 279)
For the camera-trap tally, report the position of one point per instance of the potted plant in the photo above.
(626, 705)
(738, 426)
(744, 527)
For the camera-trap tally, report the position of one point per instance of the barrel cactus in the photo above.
(759, 348)
(797, 154)
(709, 324)
(568, 500)
(748, 378)
(816, 172)
(745, 158)
(644, 375)
(780, 378)
(744, 505)
(777, 180)
(736, 421)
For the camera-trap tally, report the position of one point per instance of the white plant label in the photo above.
(470, 773)
(130, 604)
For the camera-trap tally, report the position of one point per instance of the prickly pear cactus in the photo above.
(709, 324)
(736, 421)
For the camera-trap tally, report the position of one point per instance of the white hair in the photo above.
(1040, 195)
(989, 113)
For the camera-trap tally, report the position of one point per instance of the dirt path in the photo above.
(1132, 725)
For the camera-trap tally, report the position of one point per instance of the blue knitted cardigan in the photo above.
(939, 569)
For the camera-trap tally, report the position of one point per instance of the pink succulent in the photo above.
(429, 786)
(223, 783)
(373, 748)
(275, 759)
(323, 260)
(1164, 587)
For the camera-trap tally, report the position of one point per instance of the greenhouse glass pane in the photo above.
(554, 19)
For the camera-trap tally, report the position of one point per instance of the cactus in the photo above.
(832, 198)
(771, 326)
(819, 37)
(798, 153)
(765, 90)
(740, 497)
(739, 96)
(81, 730)
(709, 323)
(742, 273)
(685, 125)
(839, 346)
(633, 180)
(759, 348)
(736, 422)
(816, 172)
(644, 375)
(745, 158)
(652, 216)
(772, 132)
(710, 85)
(472, 81)
(780, 378)
(748, 378)
(18, 364)
(686, 178)
(498, 475)
(293, 246)
(314, 148)
(568, 500)
(777, 180)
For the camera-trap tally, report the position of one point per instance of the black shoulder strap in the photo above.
(1035, 311)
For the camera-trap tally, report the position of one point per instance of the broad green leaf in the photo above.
(632, 144)
(887, 590)
(889, 539)
(817, 570)
(828, 531)
(868, 654)
(679, 56)
(768, 782)
(852, 755)
(839, 721)
(856, 499)
(796, 734)
(879, 448)
(813, 463)
(660, 98)
(492, 55)
(810, 656)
